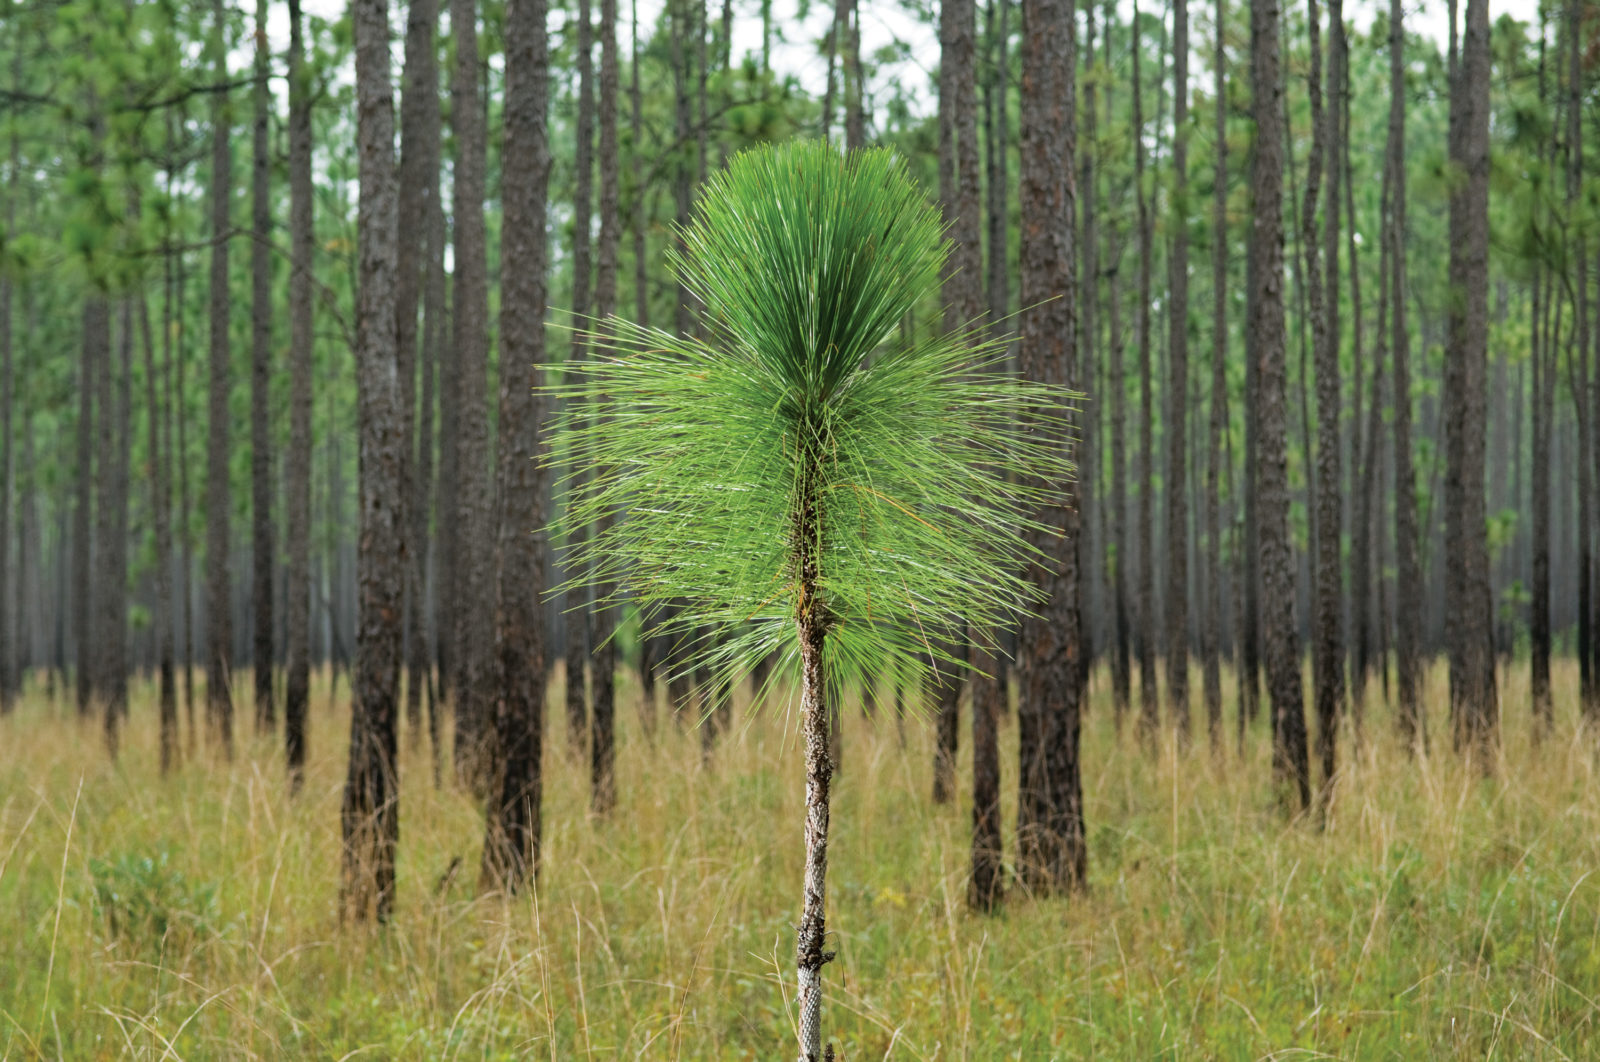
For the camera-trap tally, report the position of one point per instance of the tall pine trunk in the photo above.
(263, 555)
(1267, 322)
(511, 842)
(1149, 702)
(370, 815)
(1212, 679)
(576, 607)
(1176, 605)
(219, 607)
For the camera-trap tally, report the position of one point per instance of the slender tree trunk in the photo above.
(1117, 499)
(1472, 679)
(8, 654)
(986, 882)
(1543, 345)
(855, 117)
(1408, 570)
(1589, 681)
(96, 341)
(219, 609)
(812, 937)
(474, 544)
(437, 362)
(261, 312)
(603, 777)
(1052, 854)
(370, 816)
(297, 602)
(1212, 679)
(963, 280)
(1267, 321)
(1149, 702)
(1176, 427)
(577, 606)
(109, 661)
(1329, 657)
(419, 185)
(511, 842)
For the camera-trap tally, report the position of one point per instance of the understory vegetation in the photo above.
(1439, 912)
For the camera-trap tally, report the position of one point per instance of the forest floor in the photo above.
(1435, 915)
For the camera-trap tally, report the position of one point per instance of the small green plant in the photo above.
(798, 482)
(144, 899)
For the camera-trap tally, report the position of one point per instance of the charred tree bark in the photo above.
(370, 815)
(1267, 322)
(511, 841)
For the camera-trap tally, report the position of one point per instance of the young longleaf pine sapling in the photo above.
(796, 479)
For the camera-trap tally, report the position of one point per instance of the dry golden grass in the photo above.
(1437, 914)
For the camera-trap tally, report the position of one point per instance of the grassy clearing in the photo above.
(1437, 916)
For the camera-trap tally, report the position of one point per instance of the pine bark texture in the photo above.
(262, 545)
(1176, 605)
(602, 762)
(474, 544)
(511, 842)
(219, 608)
(297, 601)
(1473, 699)
(370, 814)
(1050, 829)
(1290, 762)
(576, 607)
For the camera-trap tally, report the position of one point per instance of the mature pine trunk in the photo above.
(185, 532)
(1117, 499)
(1267, 322)
(111, 556)
(96, 340)
(474, 545)
(855, 118)
(963, 279)
(1176, 426)
(1212, 680)
(1408, 570)
(1473, 698)
(1149, 703)
(1051, 852)
(576, 609)
(419, 188)
(1542, 408)
(996, 109)
(219, 608)
(297, 602)
(511, 841)
(1329, 665)
(436, 360)
(261, 311)
(986, 882)
(603, 780)
(159, 442)
(370, 815)
(1584, 406)
(8, 655)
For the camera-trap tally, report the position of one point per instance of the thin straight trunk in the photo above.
(474, 543)
(1117, 499)
(161, 511)
(811, 939)
(1364, 445)
(986, 881)
(1329, 655)
(511, 841)
(1539, 601)
(855, 118)
(219, 608)
(1051, 851)
(1149, 702)
(111, 519)
(576, 608)
(185, 528)
(419, 187)
(297, 602)
(995, 113)
(7, 390)
(1473, 697)
(96, 338)
(603, 773)
(1589, 682)
(1267, 321)
(963, 280)
(370, 815)
(261, 312)
(1176, 427)
(649, 647)
(1212, 680)
(1408, 569)
(1091, 550)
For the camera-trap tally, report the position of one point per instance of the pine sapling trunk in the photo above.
(812, 622)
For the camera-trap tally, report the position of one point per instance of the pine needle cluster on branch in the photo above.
(919, 463)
